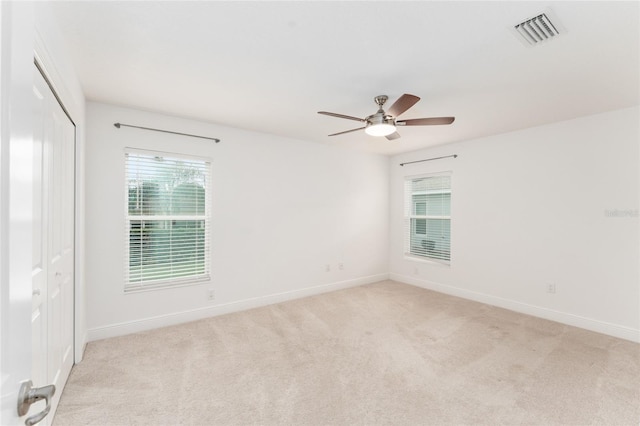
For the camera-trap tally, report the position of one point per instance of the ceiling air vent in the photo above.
(538, 29)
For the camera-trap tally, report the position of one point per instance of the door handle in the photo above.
(28, 395)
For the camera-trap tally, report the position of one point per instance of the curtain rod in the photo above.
(118, 125)
(429, 159)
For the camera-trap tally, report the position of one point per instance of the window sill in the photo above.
(428, 261)
(159, 285)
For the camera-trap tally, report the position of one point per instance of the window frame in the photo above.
(140, 285)
(410, 217)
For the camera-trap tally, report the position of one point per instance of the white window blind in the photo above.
(167, 220)
(427, 230)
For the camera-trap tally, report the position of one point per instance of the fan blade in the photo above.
(403, 103)
(392, 136)
(426, 121)
(347, 131)
(348, 117)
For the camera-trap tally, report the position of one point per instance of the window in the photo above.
(428, 217)
(167, 220)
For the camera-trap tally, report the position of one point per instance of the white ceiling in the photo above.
(270, 66)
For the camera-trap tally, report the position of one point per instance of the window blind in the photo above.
(167, 220)
(427, 229)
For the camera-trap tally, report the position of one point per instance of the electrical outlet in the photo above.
(327, 268)
(551, 288)
(211, 294)
(340, 266)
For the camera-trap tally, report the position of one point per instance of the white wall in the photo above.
(282, 209)
(530, 208)
(51, 53)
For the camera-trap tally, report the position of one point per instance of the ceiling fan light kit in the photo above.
(380, 126)
(380, 129)
(384, 123)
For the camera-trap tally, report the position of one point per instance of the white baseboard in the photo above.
(144, 324)
(627, 333)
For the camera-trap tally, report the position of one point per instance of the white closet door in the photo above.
(53, 313)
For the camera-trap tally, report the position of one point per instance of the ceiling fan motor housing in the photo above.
(380, 117)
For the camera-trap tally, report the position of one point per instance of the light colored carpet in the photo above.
(384, 353)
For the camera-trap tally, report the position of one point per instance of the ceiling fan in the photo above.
(384, 123)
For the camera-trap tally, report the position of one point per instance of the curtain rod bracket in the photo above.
(118, 125)
(429, 159)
